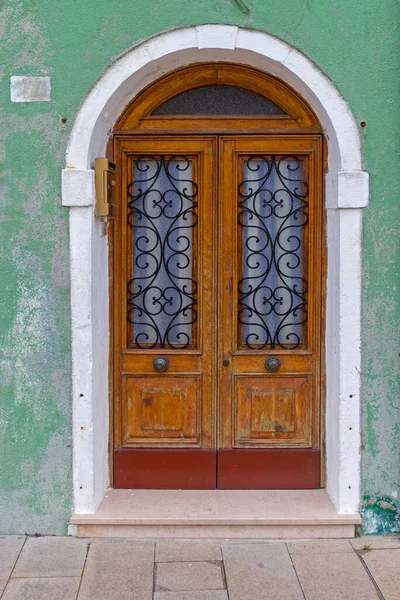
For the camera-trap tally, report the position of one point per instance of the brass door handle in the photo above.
(226, 362)
(272, 364)
(161, 363)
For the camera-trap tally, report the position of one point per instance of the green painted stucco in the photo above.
(73, 41)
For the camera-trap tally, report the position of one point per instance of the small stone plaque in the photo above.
(30, 89)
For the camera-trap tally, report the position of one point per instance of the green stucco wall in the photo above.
(74, 41)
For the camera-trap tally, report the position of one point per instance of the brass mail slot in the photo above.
(105, 188)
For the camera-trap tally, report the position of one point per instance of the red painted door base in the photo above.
(269, 469)
(204, 469)
(165, 468)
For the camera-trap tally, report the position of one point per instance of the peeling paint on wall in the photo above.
(379, 516)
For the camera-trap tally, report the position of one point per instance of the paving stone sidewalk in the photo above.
(65, 568)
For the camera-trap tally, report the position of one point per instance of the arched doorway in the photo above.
(346, 194)
(217, 300)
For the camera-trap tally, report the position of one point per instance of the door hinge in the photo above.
(105, 187)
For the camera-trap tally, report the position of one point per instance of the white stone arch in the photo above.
(346, 195)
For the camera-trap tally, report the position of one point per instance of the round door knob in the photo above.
(226, 362)
(272, 364)
(161, 363)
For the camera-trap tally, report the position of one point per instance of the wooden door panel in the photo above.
(164, 271)
(163, 411)
(301, 362)
(270, 306)
(178, 363)
(272, 410)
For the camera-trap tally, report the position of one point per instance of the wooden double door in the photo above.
(217, 306)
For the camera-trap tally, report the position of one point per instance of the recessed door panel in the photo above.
(163, 411)
(272, 411)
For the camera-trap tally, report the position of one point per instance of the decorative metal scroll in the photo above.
(162, 213)
(273, 212)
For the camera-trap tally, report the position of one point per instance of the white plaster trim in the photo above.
(77, 187)
(180, 39)
(262, 44)
(331, 109)
(347, 188)
(80, 224)
(216, 36)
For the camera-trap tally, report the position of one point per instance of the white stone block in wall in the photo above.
(30, 89)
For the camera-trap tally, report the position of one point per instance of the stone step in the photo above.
(246, 514)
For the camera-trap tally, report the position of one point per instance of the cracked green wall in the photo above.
(74, 42)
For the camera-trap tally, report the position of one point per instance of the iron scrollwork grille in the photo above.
(273, 213)
(162, 294)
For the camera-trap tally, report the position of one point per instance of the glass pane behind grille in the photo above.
(162, 294)
(273, 213)
(218, 100)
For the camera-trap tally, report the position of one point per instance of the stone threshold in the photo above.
(216, 514)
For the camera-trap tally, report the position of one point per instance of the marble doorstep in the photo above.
(216, 513)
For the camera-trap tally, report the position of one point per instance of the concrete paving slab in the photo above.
(333, 577)
(376, 541)
(51, 557)
(189, 576)
(10, 547)
(260, 572)
(42, 588)
(319, 547)
(187, 551)
(384, 566)
(122, 570)
(192, 595)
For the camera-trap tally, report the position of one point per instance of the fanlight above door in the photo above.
(217, 100)
(196, 98)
